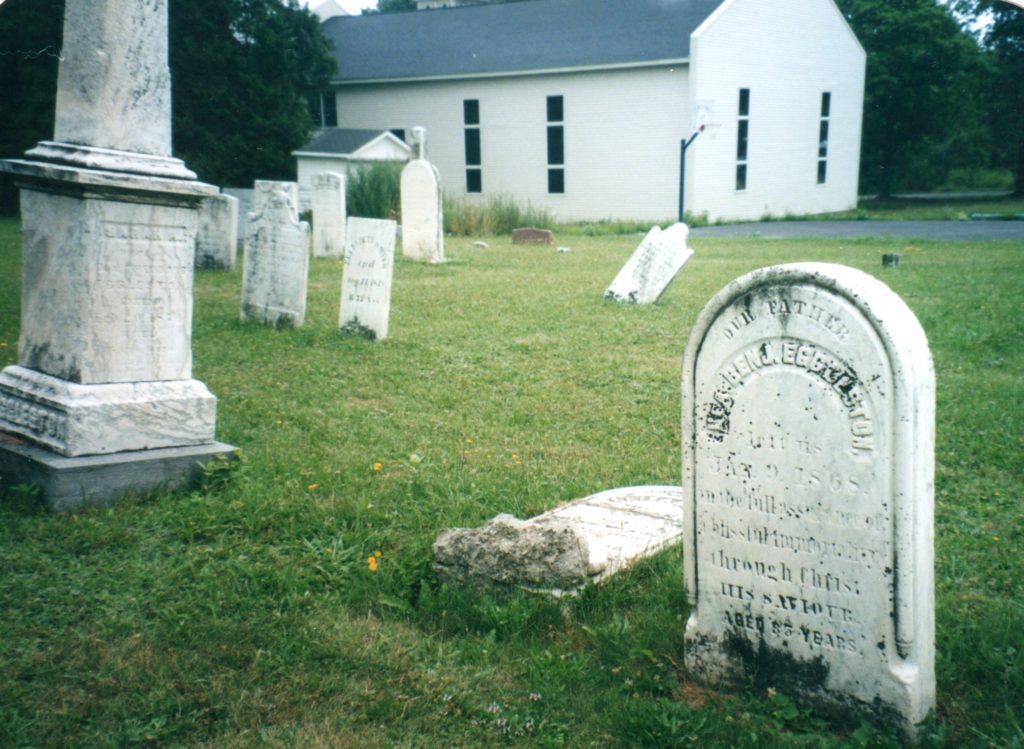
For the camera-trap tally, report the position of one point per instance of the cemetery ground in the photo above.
(289, 601)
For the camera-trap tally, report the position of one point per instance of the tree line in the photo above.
(944, 95)
(243, 76)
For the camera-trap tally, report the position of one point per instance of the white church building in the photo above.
(583, 107)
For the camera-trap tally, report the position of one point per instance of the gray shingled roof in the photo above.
(513, 37)
(340, 140)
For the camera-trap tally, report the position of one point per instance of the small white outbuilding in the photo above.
(583, 107)
(340, 150)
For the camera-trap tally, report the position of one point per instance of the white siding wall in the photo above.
(787, 52)
(310, 166)
(622, 132)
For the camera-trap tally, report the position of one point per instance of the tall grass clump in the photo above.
(374, 191)
(497, 215)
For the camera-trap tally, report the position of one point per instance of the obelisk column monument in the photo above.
(109, 223)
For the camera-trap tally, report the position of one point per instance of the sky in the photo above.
(352, 6)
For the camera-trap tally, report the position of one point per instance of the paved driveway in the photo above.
(948, 231)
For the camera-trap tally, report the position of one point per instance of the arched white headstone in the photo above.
(422, 221)
(808, 449)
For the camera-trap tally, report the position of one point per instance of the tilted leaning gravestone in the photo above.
(651, 268)
(422, 219)
(328, 215)
(217, 238)
(808, 448)
(103, 389)
(366, 279)
(275, 273)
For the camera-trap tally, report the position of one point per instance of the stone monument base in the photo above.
(67, 484)
(75, 420)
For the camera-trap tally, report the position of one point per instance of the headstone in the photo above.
(217, 238)
(891, 260)
(276, 268)
(532, 236)
(808, 449)
(109, 225)
(263, 189)
(366, 279)
(422, 220)
(580, 542)
(652, 266)
(328, 215)
(419, 139)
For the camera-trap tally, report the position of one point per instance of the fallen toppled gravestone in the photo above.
(562, 550)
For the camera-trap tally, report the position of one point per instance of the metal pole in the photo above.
(683, 145)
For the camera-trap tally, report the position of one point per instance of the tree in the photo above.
(393, 6)
(30, 42)
(242, 74)
(1002, 39)
(921, 108)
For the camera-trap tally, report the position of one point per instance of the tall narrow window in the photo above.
(742, 138)
(471, 122)
(826, 108)
(324, 109)
(556, 145)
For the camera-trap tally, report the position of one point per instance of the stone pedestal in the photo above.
(109, 223)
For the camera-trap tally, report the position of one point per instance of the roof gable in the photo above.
(349, 142)
(516, 37)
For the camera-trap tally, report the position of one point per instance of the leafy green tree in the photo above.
(922, 112)
(392, 6)
(1002, 39)
(30, 42)
(243, 74)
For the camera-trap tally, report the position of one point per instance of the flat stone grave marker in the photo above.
(217, 238)
(276, 268)
(652, 266)
(366, 279)
(808, 449)
(560, 551)
(329, 215)
(532, 236)
(264, 188)
(422, 219)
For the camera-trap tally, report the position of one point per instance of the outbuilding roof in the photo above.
(514, 37)
(342, 140)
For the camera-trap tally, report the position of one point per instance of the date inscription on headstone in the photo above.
(808, 418)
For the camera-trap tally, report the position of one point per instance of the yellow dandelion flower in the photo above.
(377, 554)
(377, 466)
(371, 563)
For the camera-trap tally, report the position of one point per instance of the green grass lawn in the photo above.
(246, 614)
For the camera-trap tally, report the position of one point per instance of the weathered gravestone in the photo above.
(217, 238)
(366, 278)
(422, 220)
(263, 189)
(328, 215)
(584, 541)
(808, 448)
(275, 272)
(102, 401)
(651, 268)
(530, 235)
